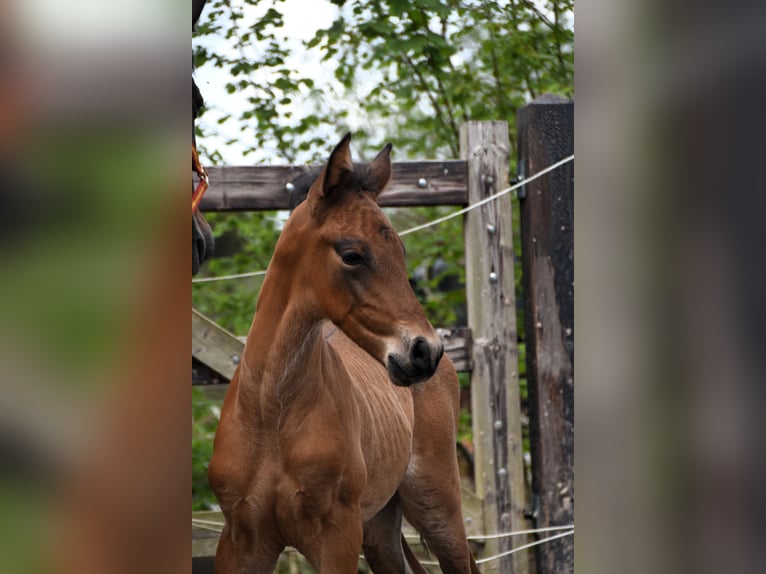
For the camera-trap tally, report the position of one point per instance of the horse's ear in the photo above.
(337, 171)
(379, 171)
(339, 166)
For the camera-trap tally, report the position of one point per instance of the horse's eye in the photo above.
(352, 258)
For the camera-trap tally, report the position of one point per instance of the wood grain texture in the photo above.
(490, 295)
(263, 188)
(215, 346)
(458, 344)
(546, 135)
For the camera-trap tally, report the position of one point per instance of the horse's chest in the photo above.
(355, 458)
(386, 442)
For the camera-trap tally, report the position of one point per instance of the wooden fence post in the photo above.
(546, 135)
(499, 469)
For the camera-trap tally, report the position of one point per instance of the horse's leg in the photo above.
(243, 552)
(384, 547)
(412, 560)
(431, 503)
(335, 547)
(430, 491)
(232, 558)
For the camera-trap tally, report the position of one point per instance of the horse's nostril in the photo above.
(421, 354)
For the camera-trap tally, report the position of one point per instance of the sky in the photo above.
(302, 19)
(212, 81)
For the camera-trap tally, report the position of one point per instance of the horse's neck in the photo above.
(284, 345)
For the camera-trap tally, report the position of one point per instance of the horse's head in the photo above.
(352, 268)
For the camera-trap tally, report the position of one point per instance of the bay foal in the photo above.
(316, 448)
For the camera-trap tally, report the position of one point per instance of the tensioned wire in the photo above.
(424, 225)
(218, 526)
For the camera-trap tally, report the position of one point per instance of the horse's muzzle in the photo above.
(419, 365)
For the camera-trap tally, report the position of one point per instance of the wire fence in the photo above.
(426, 225)
(486, 200)
(569, 528)
(523, 547)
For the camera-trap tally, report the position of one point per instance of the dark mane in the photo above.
(299, 187)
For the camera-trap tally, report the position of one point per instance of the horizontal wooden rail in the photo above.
(263, 188)
(214, 346)
(217, 351)
(458, 345)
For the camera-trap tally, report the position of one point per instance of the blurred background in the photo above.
(670, 365)
(94, 284)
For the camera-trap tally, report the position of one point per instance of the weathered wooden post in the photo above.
(499, 469)
(546, 135)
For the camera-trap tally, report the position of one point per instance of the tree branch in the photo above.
(433, 100)
(543, 18)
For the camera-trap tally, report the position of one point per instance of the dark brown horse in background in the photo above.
(202, 236)
(316, 448)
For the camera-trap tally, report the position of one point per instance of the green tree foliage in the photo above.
(434, 64)
(244, 242)
(254, 56)
(443, 63)
(205, 415)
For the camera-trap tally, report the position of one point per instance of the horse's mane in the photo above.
(300, 185)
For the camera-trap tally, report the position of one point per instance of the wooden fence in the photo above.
(487, 347)
(546, 135)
